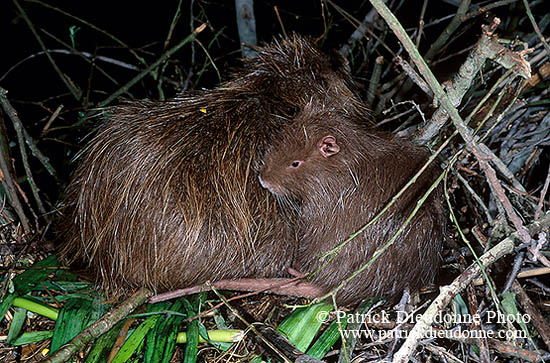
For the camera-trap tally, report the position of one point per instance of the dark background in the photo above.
(36, 90)
(144, 27)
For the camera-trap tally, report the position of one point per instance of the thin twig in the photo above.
(77, 93)
(374, 81)
(10, 111)
(8, 180)
(276, 9)
(192, 27)
(415, 77)
(18, 126)
(536, 27)
(518, 261)
(448, 31)
(356, 23)
(537, 319)
(51, 120)
(90, 25)
(482, 342)
(421, 23)
(476, 197)
(493, 180)
(251, 327)
(151, 67)
(543, 195)
(485, 9)
(160, 71)
(360, 32)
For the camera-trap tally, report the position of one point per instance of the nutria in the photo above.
(340, 174)
(166, 194)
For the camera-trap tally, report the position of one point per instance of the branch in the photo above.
(7, 177)
(449, 292)
(19, 129)
(448, 31)
(487, 47)
(246, 24)
(101, 326)
(292, 287)
(359, 33)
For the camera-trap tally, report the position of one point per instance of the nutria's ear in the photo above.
(328, 146)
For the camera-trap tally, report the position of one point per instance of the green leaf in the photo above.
(326, 340)
(161, 340)
(102, 347)
(35, 305)
(16, 324)
(26, 281)
(220, 323)
(7, 302)
(65, 286)
(38, 272)
(204, 336)
(75, 316)
(66, 275)
(191, 347)
(82, 296)
(33, 337)
(511, 310)
(134, 343)
(459, 305)
(303, 324)
(151, 353)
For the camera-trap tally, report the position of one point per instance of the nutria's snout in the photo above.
(270, 186)
(263, 183)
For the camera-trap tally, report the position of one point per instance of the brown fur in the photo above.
(166, 194)
(338, 194)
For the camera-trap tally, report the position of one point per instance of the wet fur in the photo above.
(166, 194)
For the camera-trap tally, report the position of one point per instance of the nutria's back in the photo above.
(166, 194)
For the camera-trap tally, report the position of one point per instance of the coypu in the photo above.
(166, 194)
(339, 175)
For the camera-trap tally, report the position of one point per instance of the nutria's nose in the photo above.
(272, 188)
(263, 183)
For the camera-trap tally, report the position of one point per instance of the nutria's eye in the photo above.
(295, 164)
